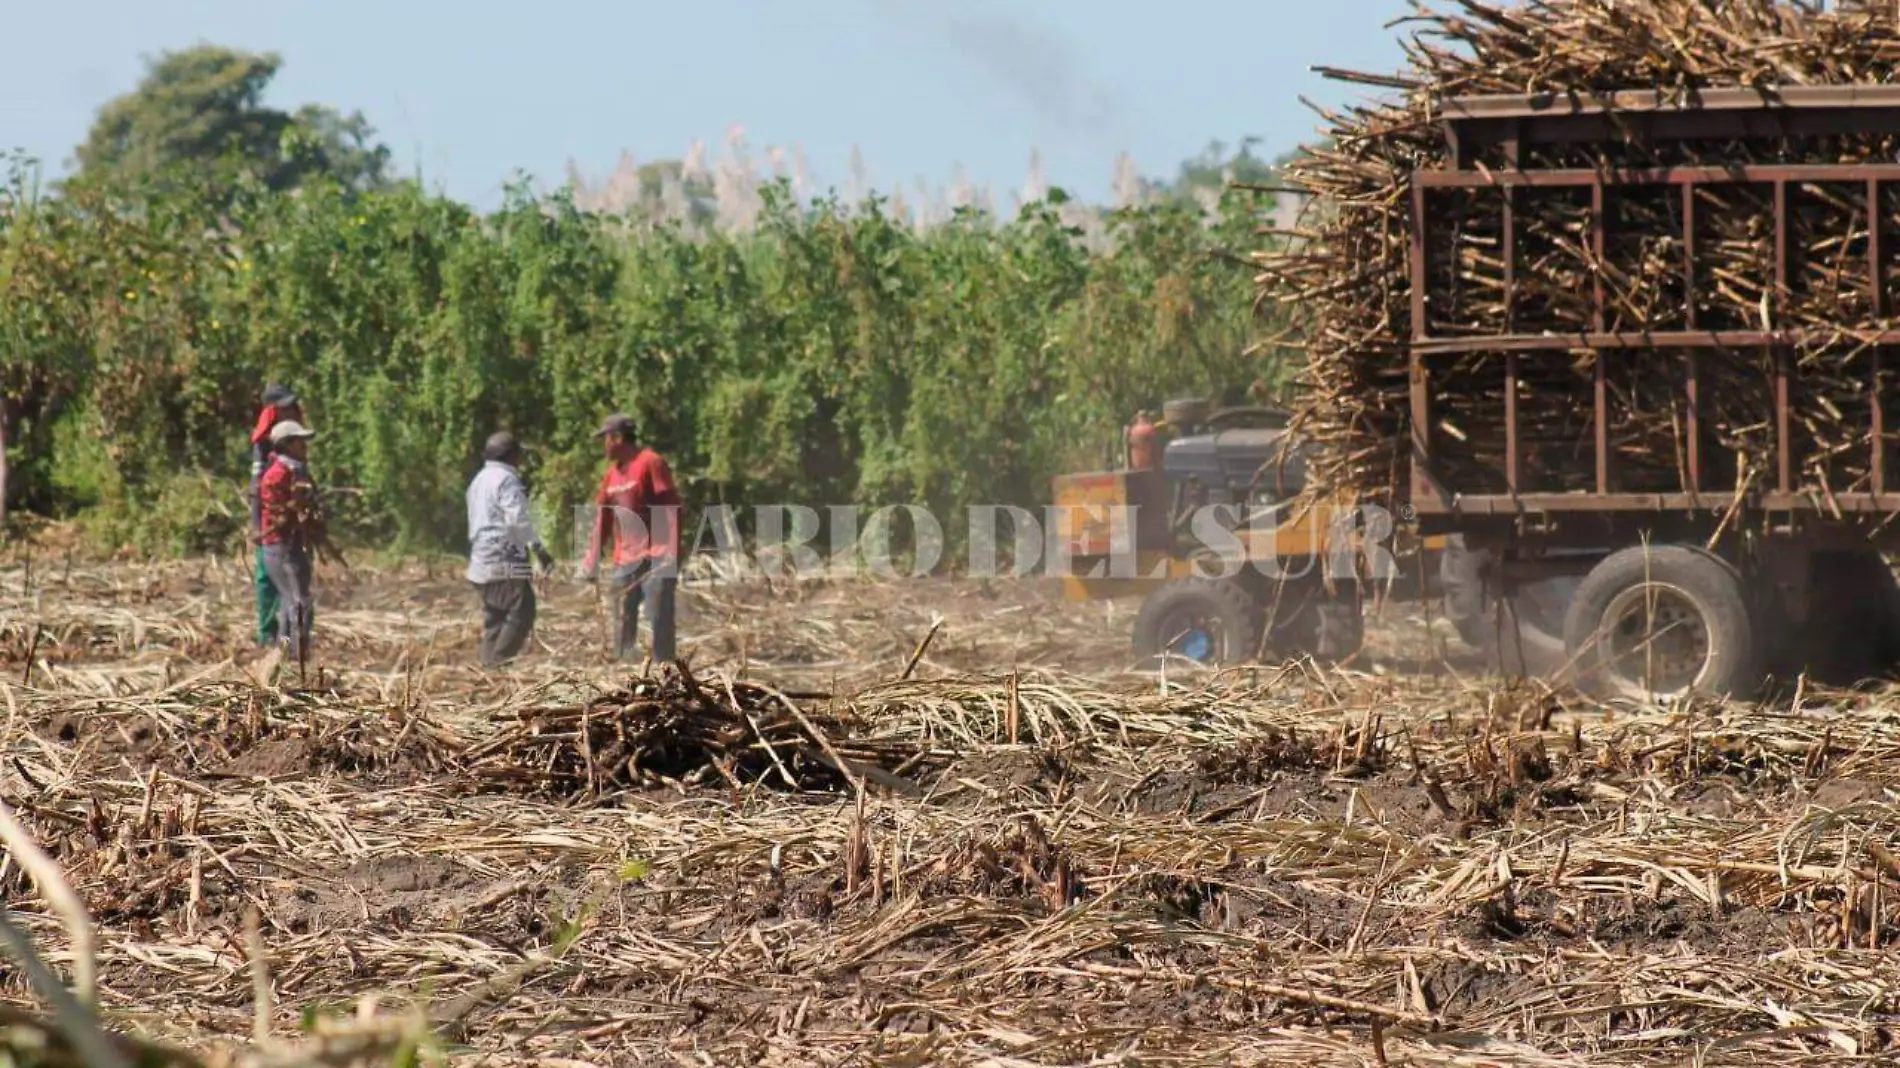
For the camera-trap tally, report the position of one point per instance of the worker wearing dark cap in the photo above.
(280, 405)
(501, 535)
(638, 510)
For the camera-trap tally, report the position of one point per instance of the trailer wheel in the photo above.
(1661, 621)
(1202, 619)
(1882, 592)
(1853, 631)
(1523, 634)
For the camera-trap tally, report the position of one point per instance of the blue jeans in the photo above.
(646, 581)
(289, 570)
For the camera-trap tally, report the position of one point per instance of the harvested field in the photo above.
(824, 845)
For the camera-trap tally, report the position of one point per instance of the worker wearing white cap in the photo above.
(293, 528)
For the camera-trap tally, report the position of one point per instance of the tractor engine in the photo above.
(1231, 457)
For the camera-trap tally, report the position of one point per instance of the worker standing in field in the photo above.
(279, 404)
(638, 508)
(293, 529)
(501, 535)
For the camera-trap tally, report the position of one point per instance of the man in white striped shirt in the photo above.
(501, 534)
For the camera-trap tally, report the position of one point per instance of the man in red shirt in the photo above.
(280, 404)
(639, 506)
(292, 528)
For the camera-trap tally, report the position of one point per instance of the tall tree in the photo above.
(1208, 173)
(1210, 168)
(198, 115)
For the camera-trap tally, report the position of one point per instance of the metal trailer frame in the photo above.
(1512, 122)
(1528, 528)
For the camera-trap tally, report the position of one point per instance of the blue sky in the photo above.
(474, 91)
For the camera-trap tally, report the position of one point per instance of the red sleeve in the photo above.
(275, 483)
(659, 481)
(273, 493)
(265, 420)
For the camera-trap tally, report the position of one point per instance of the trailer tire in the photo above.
(1520, 635)
(1853, 629)
(1882, 588)
(1704, 638)
(1212, 621)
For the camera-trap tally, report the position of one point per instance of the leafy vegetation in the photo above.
(198, 119)
(830, 353)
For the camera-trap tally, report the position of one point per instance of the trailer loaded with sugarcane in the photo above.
(1606, 292)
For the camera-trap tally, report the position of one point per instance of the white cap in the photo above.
(289, 429)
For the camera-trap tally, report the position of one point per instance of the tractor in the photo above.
(1209, 529)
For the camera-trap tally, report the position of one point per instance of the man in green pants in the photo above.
(280, 404)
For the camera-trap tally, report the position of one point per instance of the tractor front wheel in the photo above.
(1210, 621)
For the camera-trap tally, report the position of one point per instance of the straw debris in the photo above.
(674, 730)
(1267, 866)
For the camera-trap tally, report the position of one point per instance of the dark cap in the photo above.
(500, 446)
(616, 423)
(279, 396)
